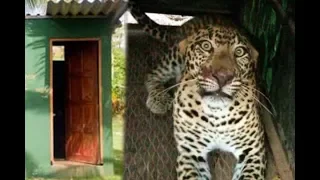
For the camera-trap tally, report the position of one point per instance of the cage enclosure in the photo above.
(150, 151)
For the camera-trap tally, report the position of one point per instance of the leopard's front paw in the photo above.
(159, 103)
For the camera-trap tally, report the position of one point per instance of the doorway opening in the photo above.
(75, 101)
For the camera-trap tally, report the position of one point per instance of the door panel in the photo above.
(82, 102)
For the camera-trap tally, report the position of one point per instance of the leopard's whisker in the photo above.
(175, 85)
(259, 102)
(269, 101)
(154, 104)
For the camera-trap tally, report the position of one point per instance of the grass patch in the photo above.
(117, 128)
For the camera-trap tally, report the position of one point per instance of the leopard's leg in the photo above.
(251, 164)
(159, 100)
(192, 163)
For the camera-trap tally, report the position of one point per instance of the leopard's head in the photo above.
(222, 61)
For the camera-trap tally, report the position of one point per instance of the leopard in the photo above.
(214, 106)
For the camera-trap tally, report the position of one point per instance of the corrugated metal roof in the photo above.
(78, 8)
(161, 19)
(38, 10)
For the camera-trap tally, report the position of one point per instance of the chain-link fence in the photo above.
(150, 152)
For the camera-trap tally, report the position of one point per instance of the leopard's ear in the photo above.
(254, 54)
(183, 45)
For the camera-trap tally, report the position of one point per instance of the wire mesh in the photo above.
(150, 151)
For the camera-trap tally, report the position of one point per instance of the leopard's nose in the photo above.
(223, 76)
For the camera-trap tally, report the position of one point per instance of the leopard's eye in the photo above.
(206, 45)
(239, 51)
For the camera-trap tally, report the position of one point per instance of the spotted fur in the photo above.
(214, 106)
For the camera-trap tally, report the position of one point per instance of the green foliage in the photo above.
(118, 72)
(261, 20)
(118, 67)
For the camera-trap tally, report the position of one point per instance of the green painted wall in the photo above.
(37, 118)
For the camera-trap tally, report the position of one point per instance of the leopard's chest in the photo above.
(221, 127)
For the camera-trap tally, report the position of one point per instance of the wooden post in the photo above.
(277, 149)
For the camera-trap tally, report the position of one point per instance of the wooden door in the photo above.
(82, 102)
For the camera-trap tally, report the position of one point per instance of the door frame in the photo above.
(51, 41)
